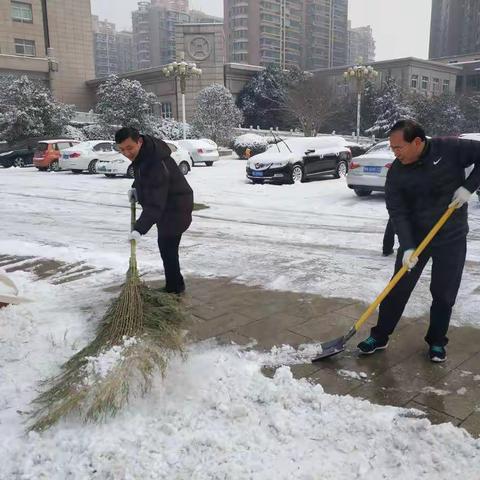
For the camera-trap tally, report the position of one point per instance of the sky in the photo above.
(400, 28)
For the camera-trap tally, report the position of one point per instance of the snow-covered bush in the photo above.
(75, 133)
(256, 144)
(28, 109)
(170, 129)
(98, 131)
(217, 115)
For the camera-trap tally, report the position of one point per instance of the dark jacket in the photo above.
(162, 190)
(418, 194)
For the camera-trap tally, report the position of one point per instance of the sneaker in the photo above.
(437, 354)
(371, 345)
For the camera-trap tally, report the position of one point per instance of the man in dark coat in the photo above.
(165, 196)
(426, 178)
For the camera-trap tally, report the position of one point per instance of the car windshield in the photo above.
(301, 145)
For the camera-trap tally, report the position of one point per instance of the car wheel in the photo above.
(130, 173)
(55, 166)
(297, 174)
(19, 162)
(184, 167)
(208, 164)
(110, 175)
(77, 171)
(92, 167)
(360, 192)
(341, 170)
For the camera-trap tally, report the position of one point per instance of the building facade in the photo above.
(113, 50)
(303, 33)
(361, 45)
(455, 28)
(154, 25)
(50, 41)
(412, 75)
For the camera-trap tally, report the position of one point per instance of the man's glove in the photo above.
(134, 235)
(408, 260)
(132, 195)
(460, 197)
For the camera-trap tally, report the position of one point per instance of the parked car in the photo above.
(298, 159)
(201, 151)
(356, 148)
(19, 154)
(48, 152)
(85, 155)
(122, 166)
(368, 172)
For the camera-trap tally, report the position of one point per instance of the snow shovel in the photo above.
(339, 344)
(9, 292)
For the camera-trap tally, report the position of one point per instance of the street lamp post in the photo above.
(182, 70)
(360, 73)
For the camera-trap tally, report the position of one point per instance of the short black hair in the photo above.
(125, 133)
(410, 128)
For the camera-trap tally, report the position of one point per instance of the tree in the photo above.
(470, 107)
(389, 107)
(439, 114)
(310, 103)
(28, 109)
(217, 115)
(125, 103)
(263, 99)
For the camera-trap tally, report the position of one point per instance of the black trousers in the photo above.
(447, 268)
(168, 247)
(388, 237)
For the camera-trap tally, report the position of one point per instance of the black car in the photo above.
(19, 154)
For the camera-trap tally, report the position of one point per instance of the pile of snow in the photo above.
(214, 416)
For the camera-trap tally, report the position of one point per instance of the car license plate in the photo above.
(66, 156)
(372, 169)
(257, 174)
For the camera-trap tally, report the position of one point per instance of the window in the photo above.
(103, 147)
(446, 86)
(414, 81)
(436, 85)
(166, 110)
(25, 47)
(22, 12)
(424, 83)
(172, 147)
(63, 145)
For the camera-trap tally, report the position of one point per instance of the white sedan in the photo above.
(201, 151)
(368, 172)
(85, 155)
(122, 166)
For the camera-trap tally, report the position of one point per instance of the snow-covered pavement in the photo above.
(316, 237)
(215, 416)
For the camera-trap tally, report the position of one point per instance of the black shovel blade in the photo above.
(331, 348)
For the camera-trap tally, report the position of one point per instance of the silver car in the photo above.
(368, 172)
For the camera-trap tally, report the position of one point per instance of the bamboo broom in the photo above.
(135, 339)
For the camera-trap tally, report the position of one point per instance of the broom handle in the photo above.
(404, 269)
(133, 243)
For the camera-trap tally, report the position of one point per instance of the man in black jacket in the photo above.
(426, 178)
(165, 196)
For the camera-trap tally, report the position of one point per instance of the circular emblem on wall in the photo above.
(199, 48)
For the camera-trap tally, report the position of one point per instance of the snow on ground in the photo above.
(216, 416)
(316, 237)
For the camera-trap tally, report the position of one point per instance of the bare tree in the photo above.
(310, 102)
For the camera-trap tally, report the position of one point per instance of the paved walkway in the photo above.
(402, 375)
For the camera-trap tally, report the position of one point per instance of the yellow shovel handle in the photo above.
(404, 269)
